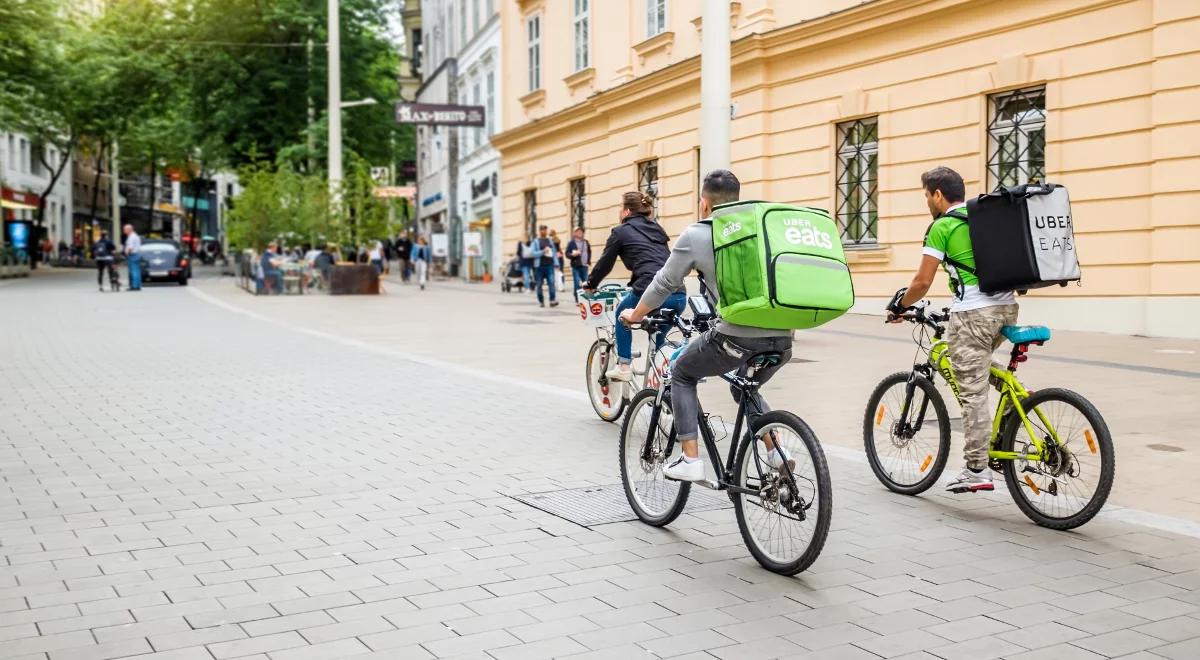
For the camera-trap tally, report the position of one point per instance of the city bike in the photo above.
(1052, 446)
(783, 512)
(609, 397)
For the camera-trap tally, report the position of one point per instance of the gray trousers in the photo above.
(713, 354)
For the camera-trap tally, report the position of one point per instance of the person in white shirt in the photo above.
(133, 258)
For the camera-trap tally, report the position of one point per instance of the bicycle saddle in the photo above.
(768, 359)
(1025, 334)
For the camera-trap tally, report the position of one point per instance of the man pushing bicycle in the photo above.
(976, 318)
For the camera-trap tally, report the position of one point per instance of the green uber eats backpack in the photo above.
(779, 266)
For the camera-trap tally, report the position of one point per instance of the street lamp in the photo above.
(355, 104)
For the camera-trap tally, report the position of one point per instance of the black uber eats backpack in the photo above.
(1023, 238)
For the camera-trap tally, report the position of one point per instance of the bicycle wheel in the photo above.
(905, 457)
(656, 500)
(607, 397)
(785, 525)
(1071, 483)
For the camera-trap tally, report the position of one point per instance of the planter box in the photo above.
(353, 279)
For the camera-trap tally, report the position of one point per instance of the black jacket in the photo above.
(642, 246)
(576, 244)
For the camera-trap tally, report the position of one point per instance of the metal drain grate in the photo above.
(600, 505)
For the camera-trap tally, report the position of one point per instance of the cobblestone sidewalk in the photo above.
(183, 482)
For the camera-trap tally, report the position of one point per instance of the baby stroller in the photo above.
(513, 277)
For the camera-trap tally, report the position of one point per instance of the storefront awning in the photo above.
(9, 204)
(395, 191)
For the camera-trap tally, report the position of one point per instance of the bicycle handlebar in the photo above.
(919, 316)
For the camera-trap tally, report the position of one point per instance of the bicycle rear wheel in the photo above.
(607, 397)
(655, 499)
(785, 525)
(907, 452)
(1071, 483)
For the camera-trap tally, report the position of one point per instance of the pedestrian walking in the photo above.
(404, 246)
(543, 266)
(104, 251)
(375, 257)
(421, 257)
(133, 257)
(525, 252)
(559, 262)
(579, 251)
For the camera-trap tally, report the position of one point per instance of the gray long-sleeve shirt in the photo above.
(694, 250)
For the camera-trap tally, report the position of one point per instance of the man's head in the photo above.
(127, 229)
(104, 236)
(943, 188)
(578, 233)
(272, 247)
(543, 231)
(720, 187)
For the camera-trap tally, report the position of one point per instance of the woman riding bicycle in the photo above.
(723, 348)
(642, 246)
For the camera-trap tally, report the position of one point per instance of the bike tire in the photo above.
(1102, 437)
(870, 426)
(673, 506)
(823, 485)
(616, 391)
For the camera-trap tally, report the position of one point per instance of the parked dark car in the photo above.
(165, 260)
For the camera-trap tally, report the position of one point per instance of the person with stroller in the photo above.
(525, 253)
(104, 252)
(641, 244)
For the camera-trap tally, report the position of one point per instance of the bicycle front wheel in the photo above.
(607, 396)
(1071, 483)
(907, 438)
(645, 436)
(785, 523)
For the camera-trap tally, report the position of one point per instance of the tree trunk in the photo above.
(96, 181)
(40, 216)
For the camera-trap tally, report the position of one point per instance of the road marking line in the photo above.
(1110, 512)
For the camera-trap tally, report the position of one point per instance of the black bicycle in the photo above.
(783, 512)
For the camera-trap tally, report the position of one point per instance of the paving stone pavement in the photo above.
(183, 482)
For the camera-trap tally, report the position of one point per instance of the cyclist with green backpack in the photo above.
(976, 318)
(754, 291)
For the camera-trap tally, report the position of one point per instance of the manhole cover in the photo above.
(600, 505)
(1167, 448)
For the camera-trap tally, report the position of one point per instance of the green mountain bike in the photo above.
(1052, 445)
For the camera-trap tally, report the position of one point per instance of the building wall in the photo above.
(1122, 81)
(20, 171)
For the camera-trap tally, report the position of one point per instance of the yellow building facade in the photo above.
(842, 105)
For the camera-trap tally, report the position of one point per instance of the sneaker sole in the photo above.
(971, 489)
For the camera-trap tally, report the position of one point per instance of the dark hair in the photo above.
(721, 187)
(946, 180)
(638, 203)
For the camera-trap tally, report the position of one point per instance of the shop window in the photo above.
(857, 180)
(1017, 137)
(534, 32)
(578, 202)
(531, 212)
(648, 181)
(582, 49)
(656, 17)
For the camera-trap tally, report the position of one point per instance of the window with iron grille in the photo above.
(1017, 137)
(857, 180)
(534, 32)
(648, 181)
(583, 57)
(656, 17)
(578, 202)
(531, 212)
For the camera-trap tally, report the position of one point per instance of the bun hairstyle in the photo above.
(638, 202)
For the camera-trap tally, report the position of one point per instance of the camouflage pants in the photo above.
(973, 335)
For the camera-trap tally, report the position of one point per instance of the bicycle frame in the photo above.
(1012, 393)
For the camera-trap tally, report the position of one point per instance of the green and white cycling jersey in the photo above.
(950, 236)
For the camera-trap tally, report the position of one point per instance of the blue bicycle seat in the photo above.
(1024, 334)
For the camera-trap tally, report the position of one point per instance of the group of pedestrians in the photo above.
(543, 261)
(104, 252)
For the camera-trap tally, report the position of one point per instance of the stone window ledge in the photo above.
(580, 78)
(867, 254)
(661, 42)
(534, 99)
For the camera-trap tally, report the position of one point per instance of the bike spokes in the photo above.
(906, 435)
(1070, 472)
(777, 516)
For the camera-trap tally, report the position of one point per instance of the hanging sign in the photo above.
(440, 115)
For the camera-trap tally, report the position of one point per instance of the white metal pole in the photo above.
(715, 97)
(335, 102)
(115, 179)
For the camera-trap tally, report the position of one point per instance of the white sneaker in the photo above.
(776, 458)
(621, 372)
(970, 482)
(682, 470)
